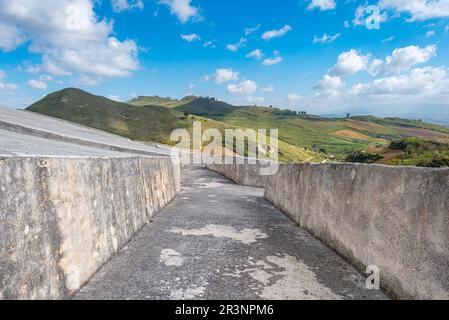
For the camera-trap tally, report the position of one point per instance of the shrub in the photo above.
(363, 157)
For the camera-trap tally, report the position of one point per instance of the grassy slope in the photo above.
(160, 101)
(316, 134)
(153, 123)
(311, 134)
(143, 123)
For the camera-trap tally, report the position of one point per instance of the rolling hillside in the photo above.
(301, 137)
(335, 138)
(142, 122)
(138, 123)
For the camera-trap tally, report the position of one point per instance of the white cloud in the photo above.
(10, 37)
(326, 38)
(256, 54)
(430, 33)
(349, 63)
(329, 83)
(6, 87)
(37, 84)
(418, 10)
(255, 100)
(272, 61)
(123, 5)
(190, 37)
(293, 98)
(322, 5)
(249, 31)
(403, 59)
(246, 87)
(222, 76)
(46, 78)
(88, 80)
(419, 88)
(425, 81)
(235, 47)
(115, 98)
(183, 9)
(398, 82)
(276, 33)
(388, 39)
(70, 37)
(210, 44)
(268, 89)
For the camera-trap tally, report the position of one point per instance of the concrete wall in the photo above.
(394, 217)
(61, 219)
(243, 174)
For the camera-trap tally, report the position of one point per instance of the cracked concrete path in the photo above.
(218, 240)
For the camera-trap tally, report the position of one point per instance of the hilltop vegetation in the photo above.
(159, 101)
(421, 153)
(147, 124)
(302, 137)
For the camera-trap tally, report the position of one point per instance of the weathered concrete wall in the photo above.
(63, 218)
(245, 174)
(396, 218)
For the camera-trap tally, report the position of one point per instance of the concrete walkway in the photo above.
(218, 240)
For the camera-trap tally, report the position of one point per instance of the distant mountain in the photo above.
(301, 136)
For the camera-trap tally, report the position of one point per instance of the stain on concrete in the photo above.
(284, 277)
(188, 294)
(171, 258)
(245, 236)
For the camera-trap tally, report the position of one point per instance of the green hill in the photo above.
(301, 136)
(199, 106)
(153, 123)
(208, 107)
(142, 123)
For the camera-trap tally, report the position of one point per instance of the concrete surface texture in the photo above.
(70, 198)
(219, 240)
(38, 125)
(13, 144)
(63, 218)
(243, 174)
(396, 218)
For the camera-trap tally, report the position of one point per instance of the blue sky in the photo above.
(315, 55)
